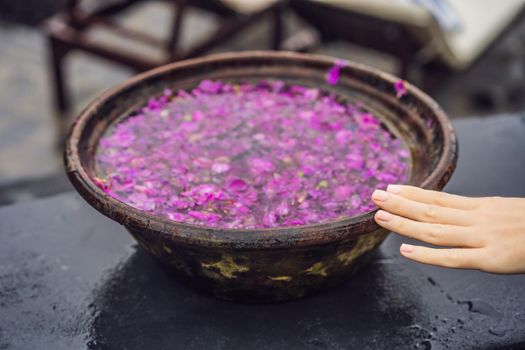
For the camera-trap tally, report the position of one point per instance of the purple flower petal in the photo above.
(282, 209)
(332, 77)
(343, 192)
(400, 88)
(210, 218)
(237, 185)
(333, 74)
(260, 165)
(175, 216)
(211, 87)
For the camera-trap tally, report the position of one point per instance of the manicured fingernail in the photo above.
(383, 215)
(380, 195)
(407, 248)
(396, 189)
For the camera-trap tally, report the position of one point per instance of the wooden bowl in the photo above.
(270, 264)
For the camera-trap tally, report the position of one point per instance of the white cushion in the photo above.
(402, 11)
(481, 23)
(248, 6)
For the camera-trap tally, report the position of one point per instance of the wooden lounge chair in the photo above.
(412, 33)
(71, 30)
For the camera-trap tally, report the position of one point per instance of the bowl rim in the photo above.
(304, 235)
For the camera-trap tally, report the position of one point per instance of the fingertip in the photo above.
(380, 196)
(407, 248)
(384, 216)
(395, 189)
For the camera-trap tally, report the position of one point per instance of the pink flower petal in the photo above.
(343, 192)
(237, 185)
(209, 218)
(260, 165)
(333, 74)
(400, 88)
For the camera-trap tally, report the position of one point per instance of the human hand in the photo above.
(487, 234)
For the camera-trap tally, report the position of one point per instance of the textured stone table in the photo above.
(72, 279)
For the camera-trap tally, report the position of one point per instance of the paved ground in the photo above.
(27, 121)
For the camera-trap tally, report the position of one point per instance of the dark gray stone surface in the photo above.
(72, 279)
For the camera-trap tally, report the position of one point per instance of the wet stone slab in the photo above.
(72, 279)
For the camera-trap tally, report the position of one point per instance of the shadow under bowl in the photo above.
(274, 264)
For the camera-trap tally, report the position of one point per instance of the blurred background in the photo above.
(57, 55)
